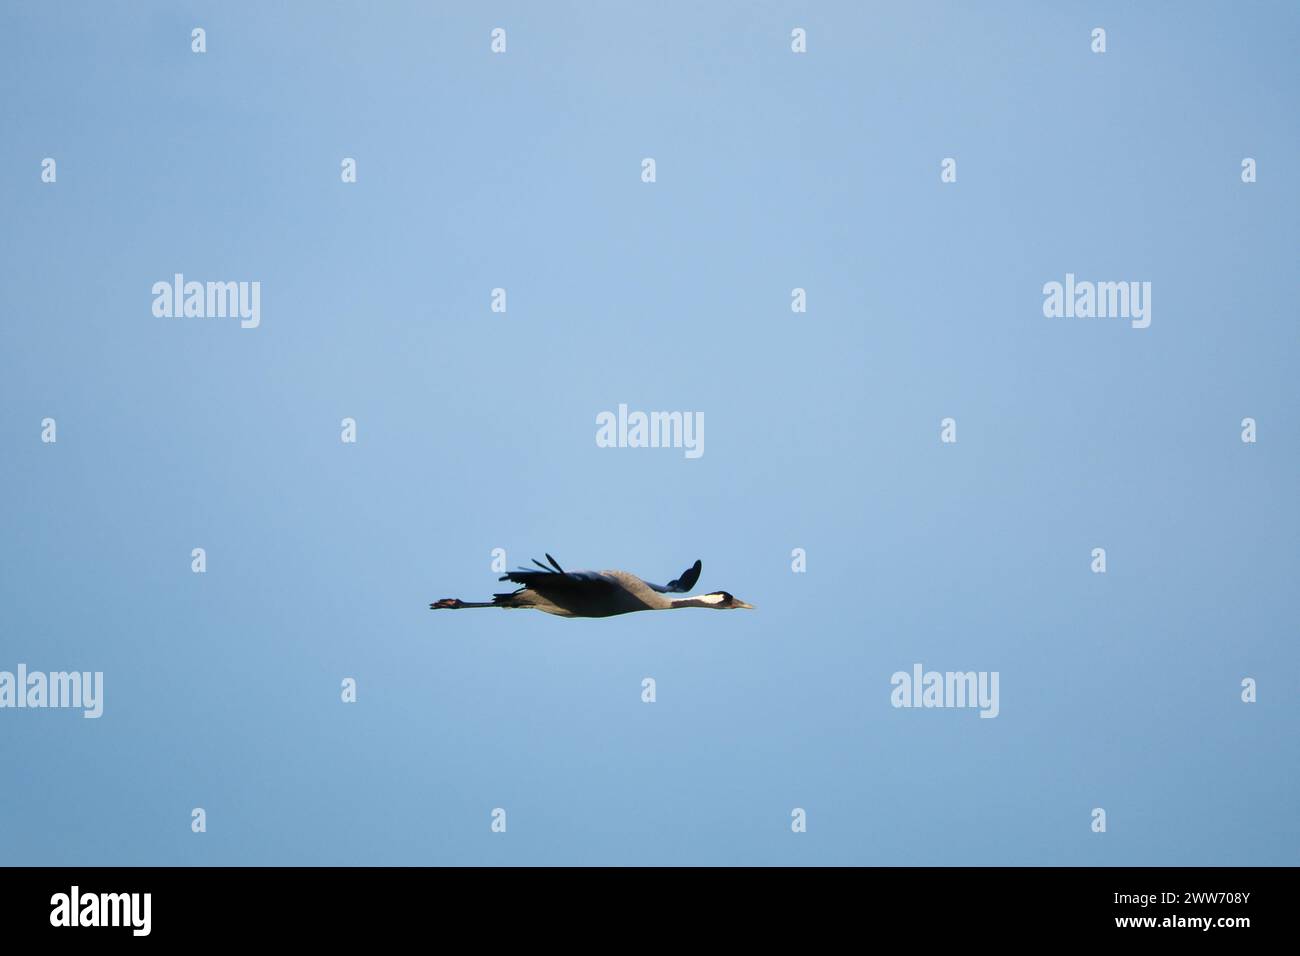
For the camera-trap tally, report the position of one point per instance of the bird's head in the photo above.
(724, 601)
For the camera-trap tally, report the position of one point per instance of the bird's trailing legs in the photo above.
(458, 603)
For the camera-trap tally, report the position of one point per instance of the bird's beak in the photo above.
(740, 603)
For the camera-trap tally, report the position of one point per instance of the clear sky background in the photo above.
(477, 431)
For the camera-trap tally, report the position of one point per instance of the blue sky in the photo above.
(476, 431)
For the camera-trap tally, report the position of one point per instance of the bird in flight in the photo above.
(596, 593)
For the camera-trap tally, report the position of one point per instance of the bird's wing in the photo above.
(682, 584)
(560, 581)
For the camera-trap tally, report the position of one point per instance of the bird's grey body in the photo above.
(603, 594)
(595, 593)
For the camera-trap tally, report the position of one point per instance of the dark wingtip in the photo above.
(688, 578)
(555, 563)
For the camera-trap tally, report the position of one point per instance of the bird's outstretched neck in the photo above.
(455, 603)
